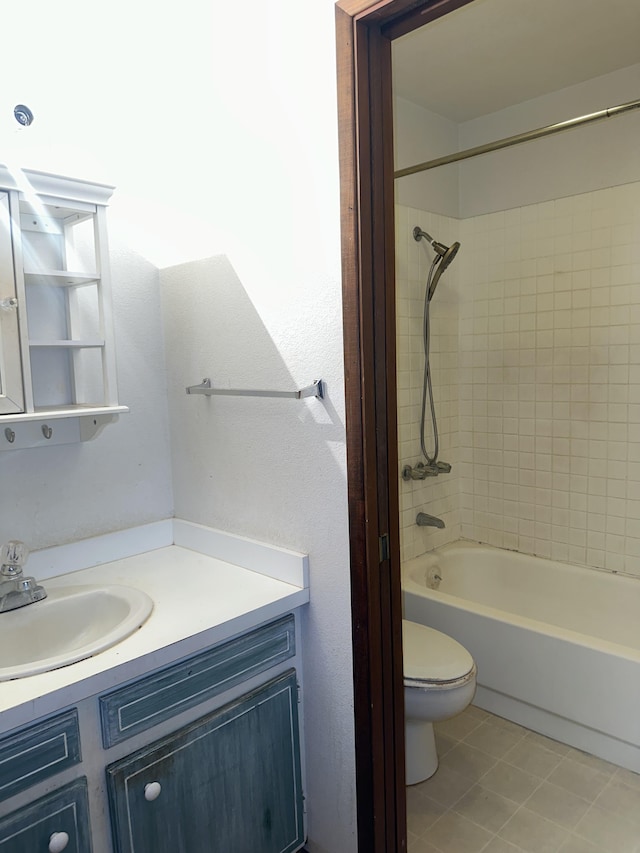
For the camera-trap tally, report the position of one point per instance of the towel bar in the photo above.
(314, 390)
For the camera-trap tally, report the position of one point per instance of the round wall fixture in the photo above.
(22, 115)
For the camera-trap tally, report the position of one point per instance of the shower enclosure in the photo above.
(537, 351)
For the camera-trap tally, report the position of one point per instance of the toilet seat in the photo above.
(432, 659)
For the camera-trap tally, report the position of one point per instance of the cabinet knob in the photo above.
(152, 791)
(58, 842)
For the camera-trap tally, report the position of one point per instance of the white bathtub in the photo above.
(557, 646)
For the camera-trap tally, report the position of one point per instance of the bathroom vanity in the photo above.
(185, 736)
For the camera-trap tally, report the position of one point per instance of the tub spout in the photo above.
(424, 520)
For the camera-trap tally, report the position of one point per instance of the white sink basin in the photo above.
(72, 623)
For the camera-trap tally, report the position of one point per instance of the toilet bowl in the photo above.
(439, 682)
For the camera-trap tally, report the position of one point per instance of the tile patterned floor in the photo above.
(501, 788)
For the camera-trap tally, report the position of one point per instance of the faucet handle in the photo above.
(13, 556)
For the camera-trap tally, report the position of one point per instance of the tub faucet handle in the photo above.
(419, 472)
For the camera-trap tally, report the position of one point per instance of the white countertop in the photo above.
(199, 600)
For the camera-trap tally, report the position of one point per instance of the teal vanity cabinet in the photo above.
(54, 823)
(200, 756)
(58, 820)
(228, 783)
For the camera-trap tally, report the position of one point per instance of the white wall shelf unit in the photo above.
(57, 358)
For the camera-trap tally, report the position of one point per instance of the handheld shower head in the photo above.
(441, 264)
(448, 256)
(445, 255)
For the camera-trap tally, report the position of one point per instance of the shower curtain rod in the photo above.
(508, 141)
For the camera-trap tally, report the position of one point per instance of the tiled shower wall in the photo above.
(550, 379)
(542, 416)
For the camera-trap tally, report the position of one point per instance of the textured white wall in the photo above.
(592, 157)
(421, 135)
(219, 130)
(122, 478)
(596, 156)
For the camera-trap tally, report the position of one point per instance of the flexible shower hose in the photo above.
(427, 389)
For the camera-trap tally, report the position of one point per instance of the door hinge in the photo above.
(383, 543)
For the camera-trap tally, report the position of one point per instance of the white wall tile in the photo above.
(541, 407)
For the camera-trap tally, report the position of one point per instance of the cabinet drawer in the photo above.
(157, 697)
(228, 783)
(38, 752)
(29, 830)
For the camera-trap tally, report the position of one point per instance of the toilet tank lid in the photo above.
(432, 656)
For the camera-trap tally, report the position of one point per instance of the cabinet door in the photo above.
(11, 388)
(66, 810)
(228, 783)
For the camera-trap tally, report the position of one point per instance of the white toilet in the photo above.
(439, 682)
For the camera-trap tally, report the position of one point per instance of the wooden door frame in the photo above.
(364, 31)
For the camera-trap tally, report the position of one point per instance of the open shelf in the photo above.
(60, 278)
(56, 333)
(47, 414)
(68, 344)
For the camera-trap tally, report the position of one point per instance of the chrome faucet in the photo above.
(16, 590)
(424, 520)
